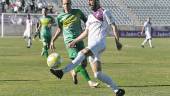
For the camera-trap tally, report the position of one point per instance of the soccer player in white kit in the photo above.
(147, 30)
(28, 31)
(96, 29)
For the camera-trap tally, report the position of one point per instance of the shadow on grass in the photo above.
(168, 85)
(18, 80)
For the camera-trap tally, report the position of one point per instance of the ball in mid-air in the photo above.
(54, 60)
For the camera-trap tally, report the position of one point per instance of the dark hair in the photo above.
(46, 9)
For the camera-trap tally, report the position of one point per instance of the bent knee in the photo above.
(97, 74)
(87, 52)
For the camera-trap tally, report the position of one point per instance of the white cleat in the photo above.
(93, 84)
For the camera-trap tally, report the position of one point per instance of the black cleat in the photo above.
(120, 92)
(58, 73)
(28, 46)
(142, 46)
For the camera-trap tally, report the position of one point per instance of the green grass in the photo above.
(140, 71)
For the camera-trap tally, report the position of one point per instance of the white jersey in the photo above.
(28, 28)
(98, 29)
(147, 28)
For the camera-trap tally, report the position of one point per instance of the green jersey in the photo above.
(45, 28)
(70, 24)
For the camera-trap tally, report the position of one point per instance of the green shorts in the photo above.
(72, 52)
(46, 38)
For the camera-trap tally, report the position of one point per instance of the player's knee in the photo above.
(84, 63)
(86, 52)
(45, 44)
(91, 59)
(97, 74)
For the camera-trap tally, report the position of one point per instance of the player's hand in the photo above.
(141, 33)
(52, 47)
(118, 44)
(72, 44)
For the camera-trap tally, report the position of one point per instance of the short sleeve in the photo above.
(82, 16)
(145, 24)
(109, 18)
(88, 23)
(57, 22)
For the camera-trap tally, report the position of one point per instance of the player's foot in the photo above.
(24, 37)
(57, 72)
(120, 92)
(28, 46)
(74, 76)
(42, 53)
(142, 46)
(108, 85)
(93, 84)
(152, 47)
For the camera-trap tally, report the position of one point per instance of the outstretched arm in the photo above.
(79, 38)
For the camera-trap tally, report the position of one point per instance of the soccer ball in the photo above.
(54, 60)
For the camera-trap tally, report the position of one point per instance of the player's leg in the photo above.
(80, 68)
(37, 34)
(85, 74)
(24, 35)
(44, 49)
(46, 39)
(45, 46)
(97, 70)
(150, 42)
(77, 61)
(83, 71)
(143, 43)
(29, 42)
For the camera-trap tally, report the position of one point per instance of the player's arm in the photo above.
(110, 20)
(56, 35)
(83, 17)
(79, 38)
(115, 31)
(116, 35)
(142, 30)
(51, 22)
(39, 26)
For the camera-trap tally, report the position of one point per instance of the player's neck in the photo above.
(67, 11)
(97, 7)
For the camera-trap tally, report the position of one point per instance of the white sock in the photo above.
(144, 41)
(150, 42)
(90, 82)
(80, 57)
(106, 79)
(29, 41)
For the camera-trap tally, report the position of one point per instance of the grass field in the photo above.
(140, 71)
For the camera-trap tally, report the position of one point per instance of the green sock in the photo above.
(45, 51)
(83, 72)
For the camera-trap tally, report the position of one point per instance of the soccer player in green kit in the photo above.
(45, 24)
(69, 22)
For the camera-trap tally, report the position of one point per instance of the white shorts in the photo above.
(148, 35)
(96, 48)
(27, 33)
